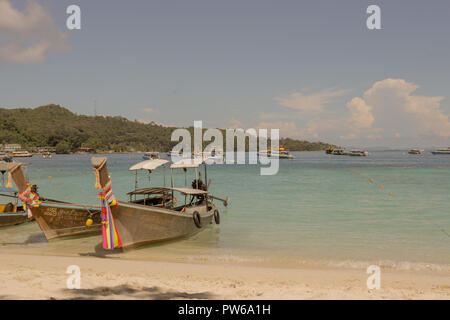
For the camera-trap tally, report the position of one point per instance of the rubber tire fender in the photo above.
(197, 219)
(216, 216)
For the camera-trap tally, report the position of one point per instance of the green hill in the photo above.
(55, 126)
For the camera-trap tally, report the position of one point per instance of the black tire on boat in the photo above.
(216, 216)
(197, 219)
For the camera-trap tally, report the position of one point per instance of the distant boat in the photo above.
(47, 155)
(415, 151)
(211, 157)
(441, 151)
(282, 153)
(338, 152)
(21, 154)
(151, 155)
(357, 153)
(329, 150)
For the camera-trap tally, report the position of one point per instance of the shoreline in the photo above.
(30, 276)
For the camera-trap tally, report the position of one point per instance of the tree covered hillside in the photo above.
(55, 126)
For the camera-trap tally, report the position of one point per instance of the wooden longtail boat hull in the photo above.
(58, 220)
(12, 219)
(139, 225)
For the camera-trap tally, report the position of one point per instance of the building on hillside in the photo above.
(45, 149)
(10, 147)
(85, 150)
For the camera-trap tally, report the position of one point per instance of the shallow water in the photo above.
(391, 208)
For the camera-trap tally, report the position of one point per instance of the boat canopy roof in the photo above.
(187, 163)
(148, 164)
(153, 190)
(187, 191)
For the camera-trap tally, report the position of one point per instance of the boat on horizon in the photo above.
(211, 157)
(135, 224)
(338, 152)
(357, 153)
(282, 153)
(415, 151)
(441, 151)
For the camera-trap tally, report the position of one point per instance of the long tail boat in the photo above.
(133, 224)
(11, 213)
(57, 219)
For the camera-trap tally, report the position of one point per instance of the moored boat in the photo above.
(131, 224)
(211, 157)
(21, 154)
(55, 218)
(11, 213)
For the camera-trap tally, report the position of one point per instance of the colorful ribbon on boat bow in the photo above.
(29, 199)
(111, 238)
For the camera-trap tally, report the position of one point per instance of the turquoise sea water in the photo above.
(390, 208)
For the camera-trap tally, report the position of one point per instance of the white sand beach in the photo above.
(44, 277)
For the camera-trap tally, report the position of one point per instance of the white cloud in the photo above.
(235, 124)
(387, 110)
(395, 107)
(360, 113)
(29, 35)
(310, 103)
(287, 128)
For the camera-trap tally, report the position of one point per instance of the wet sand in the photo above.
(44, 277)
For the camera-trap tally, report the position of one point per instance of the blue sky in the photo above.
(311, 68)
